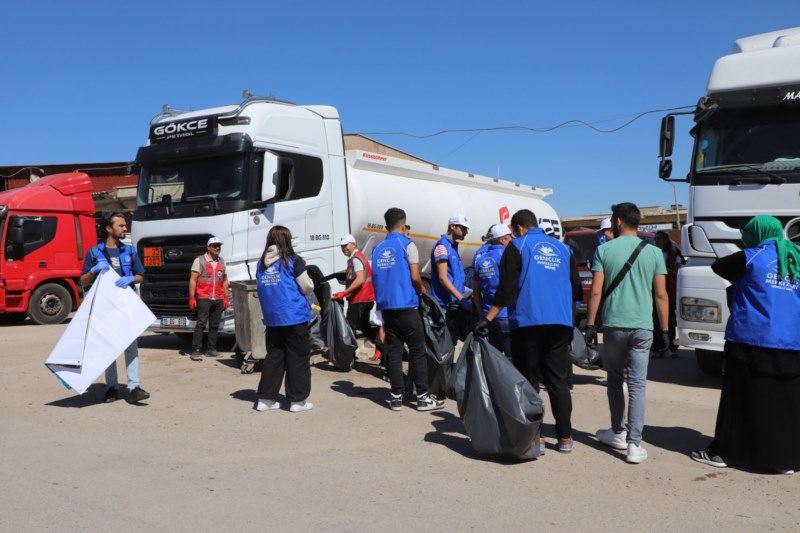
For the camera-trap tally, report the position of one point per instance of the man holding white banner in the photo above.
(122, 258)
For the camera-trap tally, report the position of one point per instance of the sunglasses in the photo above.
(215, 245)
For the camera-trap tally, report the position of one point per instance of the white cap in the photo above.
(346, 239)
(213, 240)
(499, 230)
(605, 224)
(547, 228)
(459, 219)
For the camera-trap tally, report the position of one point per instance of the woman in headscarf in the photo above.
(283, 290)
(758, 422)
(673, 260)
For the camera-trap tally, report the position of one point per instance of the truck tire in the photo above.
(50, 304)
(710, 362)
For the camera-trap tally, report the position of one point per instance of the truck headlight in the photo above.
(700, 310)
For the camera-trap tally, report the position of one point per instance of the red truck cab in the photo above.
(46, 229)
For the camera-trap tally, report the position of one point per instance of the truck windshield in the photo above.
(218, 178)
(749, 140)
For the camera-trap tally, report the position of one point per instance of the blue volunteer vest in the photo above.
(487, 268)
(764, 307)
(391, 274)
(126, 255)
(282, 303)
(545, 291)
(455, 272)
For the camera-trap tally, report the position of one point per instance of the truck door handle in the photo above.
(42, 264)
(295, 242)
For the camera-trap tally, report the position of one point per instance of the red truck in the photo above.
(46, 229)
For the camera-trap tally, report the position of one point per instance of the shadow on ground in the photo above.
(94, 395)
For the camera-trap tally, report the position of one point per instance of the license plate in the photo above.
(153, 256)
(174, 321)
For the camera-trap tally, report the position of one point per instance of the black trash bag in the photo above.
(439, 345)
(584, 356)
(315, 325)
(341, 339)
(501, 410)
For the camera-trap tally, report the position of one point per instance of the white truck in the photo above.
(233, 172)
(745, 162)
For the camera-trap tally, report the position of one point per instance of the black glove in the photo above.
(452, 306)
(666, 342)
(590, 336)
(481, 329)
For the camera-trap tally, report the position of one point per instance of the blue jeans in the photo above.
(627, 349)
(500, 335)
(131, 364)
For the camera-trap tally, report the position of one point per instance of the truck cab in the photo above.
(46, 228)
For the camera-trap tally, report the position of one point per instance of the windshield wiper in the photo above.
(766, 177)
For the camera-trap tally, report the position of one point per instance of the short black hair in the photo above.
(628, 213)
(394, 217)
(525, 218)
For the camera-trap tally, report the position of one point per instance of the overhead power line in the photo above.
(568, 123)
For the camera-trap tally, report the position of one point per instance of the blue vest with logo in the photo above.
(391, 274)
(545, 291)
(765, 308)
(487, 268)
(126, 255)
(455, 272)
(282, 303)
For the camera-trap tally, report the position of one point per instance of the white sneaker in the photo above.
(267, 405)
(636, 454)
(298, 407)
(618, 441)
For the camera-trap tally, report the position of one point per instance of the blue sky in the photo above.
(83, 79)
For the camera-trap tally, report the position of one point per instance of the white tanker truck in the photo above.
(233, 172)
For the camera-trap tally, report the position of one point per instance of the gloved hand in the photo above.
(101, 266)
(338, 296)
(452, 306)
(665, 340)
(590, 336)
(466, 304)
(124, 282)
(224, 303)
(192, 302)
(481, 329)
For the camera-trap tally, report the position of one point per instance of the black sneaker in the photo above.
(427, 402)
(212, 352)
(707, 457)
(137, 395)
(112, 395)
(395, 402)
(196, 355)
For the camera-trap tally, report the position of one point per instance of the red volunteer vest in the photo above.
(366, 293)
(210, 281)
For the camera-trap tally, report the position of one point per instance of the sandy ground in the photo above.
(199, 458)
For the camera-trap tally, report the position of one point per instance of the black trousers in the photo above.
(288, 354)
(208, 312)
(541, 354)
(358, 318)
(405, 326)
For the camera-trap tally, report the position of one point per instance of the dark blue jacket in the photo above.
(455, 272)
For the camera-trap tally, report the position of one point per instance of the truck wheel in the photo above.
(50, 304)
(710, 362)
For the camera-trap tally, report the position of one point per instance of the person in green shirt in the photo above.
(627, 325)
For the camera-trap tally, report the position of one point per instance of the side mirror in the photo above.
(133, 169)
(664, 168)
(276, 177)
(667, 137)
(15, 245)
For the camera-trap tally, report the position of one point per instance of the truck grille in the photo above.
(165, 289)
